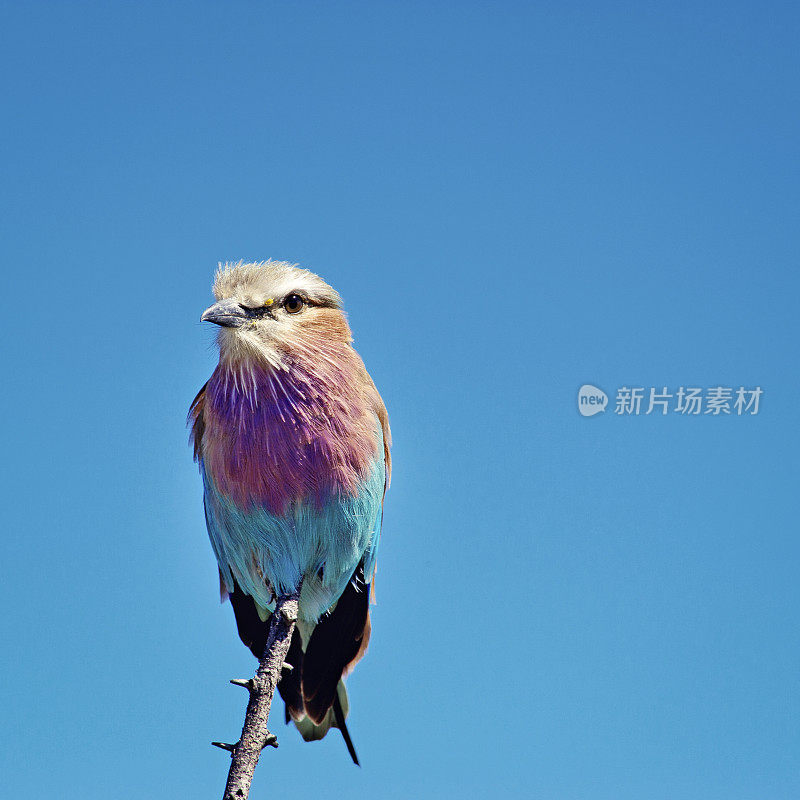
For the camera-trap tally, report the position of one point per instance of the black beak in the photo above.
(227, 313)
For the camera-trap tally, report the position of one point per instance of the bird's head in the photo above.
(270, 310)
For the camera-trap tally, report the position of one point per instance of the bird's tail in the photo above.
(334, 718)
(313, 687)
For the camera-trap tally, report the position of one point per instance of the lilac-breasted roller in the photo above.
(292, 439)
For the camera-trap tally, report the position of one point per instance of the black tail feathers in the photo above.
(310, 690)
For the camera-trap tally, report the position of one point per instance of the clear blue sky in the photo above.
(514, 199)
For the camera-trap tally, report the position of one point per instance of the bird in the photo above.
(293, 443)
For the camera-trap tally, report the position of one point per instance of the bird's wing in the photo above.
(383, 417)
(197, 422)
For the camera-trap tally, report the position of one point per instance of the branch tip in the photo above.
(289, 615)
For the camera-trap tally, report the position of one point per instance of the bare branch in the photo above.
(255, 736)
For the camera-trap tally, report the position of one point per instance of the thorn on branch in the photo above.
(287, 666)
(246, 683)
(225, 746)
(271, 740)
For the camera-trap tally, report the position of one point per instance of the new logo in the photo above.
(591, 400)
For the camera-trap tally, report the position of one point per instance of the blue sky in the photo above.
(514, 199)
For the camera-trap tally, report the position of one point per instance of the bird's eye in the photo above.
(293, 303)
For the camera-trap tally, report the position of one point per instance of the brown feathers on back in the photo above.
(197, 422)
